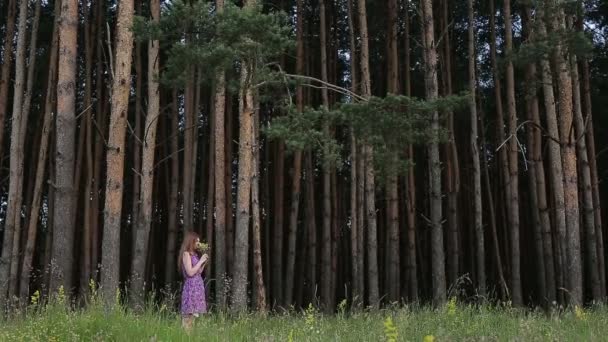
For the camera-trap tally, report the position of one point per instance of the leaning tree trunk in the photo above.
(437, 252)
(115, 160)
(143, 221)
(26, 266)
(12, 224)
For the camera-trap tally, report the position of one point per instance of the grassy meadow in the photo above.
(453, 322)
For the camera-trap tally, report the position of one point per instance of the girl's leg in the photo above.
(187, 321)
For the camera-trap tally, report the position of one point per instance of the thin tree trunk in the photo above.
(392, 184)
(219, 244)
(7, 63)
(356, 253)
(311, 227)
(116, 151)
(297, 166)
(478, 212)
(326, 235)
(229, 196)
(513, 200)
(278, 236)
(173, 195)
(143, 221)
(587, 193)
(589, 134)
(410, 178)
(437, 252)
(370, 187)
(258, 279)
(26, 266)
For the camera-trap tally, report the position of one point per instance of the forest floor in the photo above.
(451, 323)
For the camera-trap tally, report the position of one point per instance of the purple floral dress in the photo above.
(193, 292)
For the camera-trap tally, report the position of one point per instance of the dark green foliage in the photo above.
(388, 124)
(194, 35)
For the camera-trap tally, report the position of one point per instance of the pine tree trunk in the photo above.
(567, 138)
(297, 167)
(172, 224)
(246, 145)
(556, 170)
(452, 165)
(311, 223)
(7, 60)
(258, 278)
(370, 187)
(326, 235)
(116, 151)
(143, 222)
(229, 196)
(100, 118)
(279, 225)
(26, 266)
(135, 137)
(513, 162)
(219, 245)
(356, 253)
(392, 185)
(587, 193)
(437, 252)
(477, 207)
(588, 113)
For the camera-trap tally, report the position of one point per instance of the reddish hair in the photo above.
(188, 245)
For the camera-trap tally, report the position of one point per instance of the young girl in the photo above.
(193, 292)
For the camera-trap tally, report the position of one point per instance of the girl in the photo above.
(193, 292)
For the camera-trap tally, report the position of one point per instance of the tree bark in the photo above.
(477, 206)
(116, 151)
(370, 187)
(7, 63)
(392, 184)
(246, 145)
(143, 222)
(258, 280)
(172, 225)
(220, 181)
(26, 266)
(567, 138)
(587, 193)
(437, 252)
(556, 170)
(513, 207)
(297, 166)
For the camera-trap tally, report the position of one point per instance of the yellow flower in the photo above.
(429, 338)
(580, 313)
(202, 247)
(390, 331)
(451, 306)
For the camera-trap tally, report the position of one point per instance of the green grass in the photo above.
(451, 323)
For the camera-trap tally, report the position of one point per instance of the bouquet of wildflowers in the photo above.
(202, 248)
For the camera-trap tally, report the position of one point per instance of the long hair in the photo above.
(188, 245)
